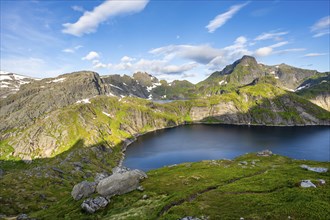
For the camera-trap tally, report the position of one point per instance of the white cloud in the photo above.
(78, 8)
(280, 44)
(188, 75)
(314, 54)
(271, 36)
(91, 56)
(321, 27)
(68, 50)
(221, 19)
(72, 50)
(213, 58)
(127, 59)
(178, 69)
(291, 50)
(89, 22)
(263, 51)
(266, 51)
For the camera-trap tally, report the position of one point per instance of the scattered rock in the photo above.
(241, 218)
(307, 184)
(57, 170)
(120, 170)
(265, 153)
(83, 189)
(190, 218)
(321, 181)
(173, 165)
(120, 183)
(77, 164)
(100, 176)
(140, 188)
(1, 173)
(92, 205)
(145, 196)
(22, 217)
(243, 163)
(314, 169)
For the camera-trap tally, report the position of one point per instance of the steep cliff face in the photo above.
(43, 96)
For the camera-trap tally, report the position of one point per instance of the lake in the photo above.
(191, 143)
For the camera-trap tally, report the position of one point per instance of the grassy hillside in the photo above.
(250, 186)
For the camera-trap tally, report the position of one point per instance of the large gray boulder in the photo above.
(315, 169)
(307, 184)
(92, 205)
(83, 190)
(120, 183)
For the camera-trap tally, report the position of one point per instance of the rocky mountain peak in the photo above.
(247, 60)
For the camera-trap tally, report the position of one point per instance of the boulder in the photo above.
(190, 218)
(315, 169)
(23, 217)
(120, 169)
(321, 181)
(92, 205)
(100, 176)
(83, 190)
(265, 153)
(120, 183)
(307, 184)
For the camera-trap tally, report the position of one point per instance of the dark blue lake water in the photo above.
(205, 142)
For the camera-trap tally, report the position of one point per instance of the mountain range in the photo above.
(56, 132)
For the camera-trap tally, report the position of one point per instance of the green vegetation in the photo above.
(264, 188)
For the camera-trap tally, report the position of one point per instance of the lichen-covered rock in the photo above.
(120, 183)
(307, 184)
(92, 205)
(314, 169)
(83, 190)
(265, 153)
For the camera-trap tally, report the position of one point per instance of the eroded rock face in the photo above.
(91, 205)
(120, 183)
(83, 190)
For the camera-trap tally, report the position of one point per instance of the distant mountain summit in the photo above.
(245, 70)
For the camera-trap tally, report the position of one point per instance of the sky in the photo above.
(168, 39)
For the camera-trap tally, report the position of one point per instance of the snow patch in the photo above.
(84, 101)
(57, 80)
(276, 77)
(5, 77)
(154, 85)
(107, 114)
(150, 97)
(111, 94)
(116, 87)
(222, 82)
(302, 87)
(125, 84)
(4, 86)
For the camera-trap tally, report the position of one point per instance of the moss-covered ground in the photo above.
(249, 186)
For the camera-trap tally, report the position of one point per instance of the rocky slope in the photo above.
(113, 119)
(317, 90)
(10, 83)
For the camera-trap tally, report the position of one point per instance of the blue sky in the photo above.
(169, 39)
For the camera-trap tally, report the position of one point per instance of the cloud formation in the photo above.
(314, 54)
(221, 19)
(91, 56)
(72, 50)
(321, 27)
(271, 35)
(90, 20)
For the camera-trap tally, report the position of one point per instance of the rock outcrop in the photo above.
(91, 205)
(120, 183)
(307, 184)
(83, 190)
